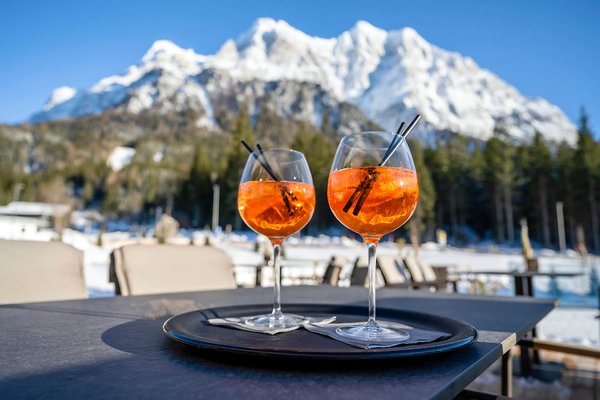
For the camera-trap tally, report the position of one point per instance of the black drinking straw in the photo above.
(394, 146)
(366, 185)
(262, 160)
(361, 187)
(266, 166)
(393, 142)
(285, 193)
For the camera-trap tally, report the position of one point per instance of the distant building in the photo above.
(29, 220)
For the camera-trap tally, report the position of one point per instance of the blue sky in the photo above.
(544, 48)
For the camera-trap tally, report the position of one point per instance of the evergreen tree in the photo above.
(438, 161)
(476, 194)
(450, 167)
(588, 155)
(540, 163)
(499, 155)
(459, 178)
(325, 122)
(196, 195)
(424, 216)
(463, 183)
(319, 150)
(564, 179)
(236, 160)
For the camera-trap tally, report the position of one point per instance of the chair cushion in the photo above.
(413, 268)
(147, 269)
(390, 271)
(428, 271)
(40, 271)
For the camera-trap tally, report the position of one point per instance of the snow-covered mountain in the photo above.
(386, 76)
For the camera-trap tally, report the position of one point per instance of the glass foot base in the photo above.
(373, 333)
(275, 321)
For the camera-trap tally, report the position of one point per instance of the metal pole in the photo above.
(215, 208)
(560, 221)
(157, 214)
(17, 191)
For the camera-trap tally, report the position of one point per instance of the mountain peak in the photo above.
(386, 75)
(265, 24)
(365, 28)
(59, 96)
(409, 33)
(265, 31)
(166, 52)
(160, 48)
(227, 52)
(268, 25)
(408, 37)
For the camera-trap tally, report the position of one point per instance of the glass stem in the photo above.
(372, 248)
(277, 281)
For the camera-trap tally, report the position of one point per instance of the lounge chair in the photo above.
(147, 269)
(422, 273)
(331, 276)
(395, 274)
(40, 271)
(390, 269)
(360, 273)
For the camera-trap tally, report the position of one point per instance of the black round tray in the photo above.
(193, 328)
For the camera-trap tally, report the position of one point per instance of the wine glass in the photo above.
(276, 198)
(373, 190)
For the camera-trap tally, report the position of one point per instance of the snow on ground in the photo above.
(307, 258)
(120, 157)
(571, 325)
(95, 263)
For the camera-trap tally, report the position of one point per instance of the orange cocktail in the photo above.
(276, 209)
(390, 200)
(276, 198)
(373, 190)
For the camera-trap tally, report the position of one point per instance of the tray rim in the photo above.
(356, 354)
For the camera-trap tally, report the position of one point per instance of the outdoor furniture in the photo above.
(523, 283)
(331, 276)
(359, 276)
(115, 348)
(40, 271)
(291, 266)
(389, 272)
(471, 276)
(389, 268)
(360, 273)
(524, 280)
(423, 274)
(524, 287)
(287, 265)
(418, 269)
(147, 269)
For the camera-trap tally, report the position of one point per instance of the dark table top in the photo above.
(115, 348)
